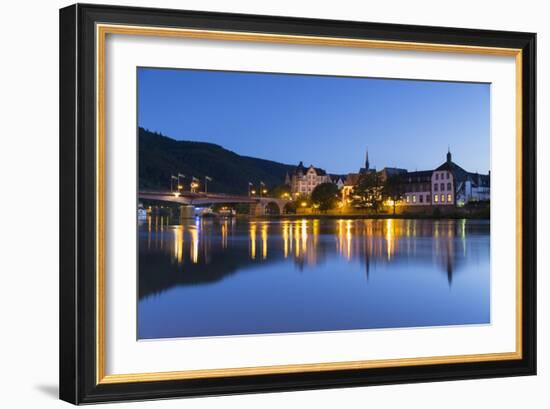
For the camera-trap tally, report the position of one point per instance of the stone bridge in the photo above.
(259, 206)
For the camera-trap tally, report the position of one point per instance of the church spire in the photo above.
(367, 167)
(449, 156)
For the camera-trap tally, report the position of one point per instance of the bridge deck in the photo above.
(206, 198)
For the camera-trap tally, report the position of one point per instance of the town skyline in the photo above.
(328, 122)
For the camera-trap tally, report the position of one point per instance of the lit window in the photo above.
(414, 198)
(407, 198)
(442, 198)
(436, 186)
(436, 198)
(449, 198)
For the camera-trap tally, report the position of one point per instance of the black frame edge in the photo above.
(68, 388)
(529, 205)
(77, 205)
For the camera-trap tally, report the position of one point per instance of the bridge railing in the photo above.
(206, 195)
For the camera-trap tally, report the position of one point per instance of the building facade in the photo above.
(338, 181)
(443, 191)
(303, 180)
(417, 189)
(447, 185)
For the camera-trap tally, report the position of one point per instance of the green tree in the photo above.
(392, 190)
(290, 208)
(325, 195)
(369, 189)
(281, 191)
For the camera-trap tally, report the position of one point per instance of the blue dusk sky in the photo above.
(326, 121)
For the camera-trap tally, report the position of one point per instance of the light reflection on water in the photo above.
(226, 277)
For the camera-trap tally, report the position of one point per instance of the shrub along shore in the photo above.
(481, 212)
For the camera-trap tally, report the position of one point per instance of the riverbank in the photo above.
(368, 216)
(476, 211)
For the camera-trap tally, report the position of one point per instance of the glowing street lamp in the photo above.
(194, 184)
(180, 185)
(172, 178)
(206, 180)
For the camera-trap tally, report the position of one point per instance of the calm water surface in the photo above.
(227, 277)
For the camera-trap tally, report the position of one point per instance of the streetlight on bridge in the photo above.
(180, 185)
(262, 188)
(172, 178)
(206, 180)
(194, 184)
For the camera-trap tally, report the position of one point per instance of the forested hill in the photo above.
(160, 157)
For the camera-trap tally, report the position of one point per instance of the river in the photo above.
(211, 277)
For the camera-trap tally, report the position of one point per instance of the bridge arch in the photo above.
(272, 208)
(267, 206)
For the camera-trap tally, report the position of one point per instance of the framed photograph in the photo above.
(257, 203)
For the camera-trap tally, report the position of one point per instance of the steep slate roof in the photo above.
(459, 174)
(302, 169)
(393, 171)
(462, 175)
(416, 177)
(484, 180)
(352, 179)
(319, 171)
(299, 167)
(480, 180)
